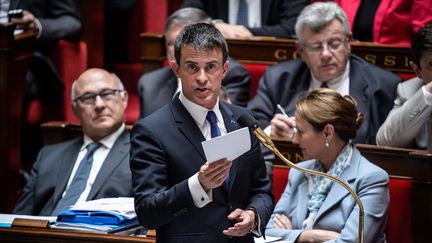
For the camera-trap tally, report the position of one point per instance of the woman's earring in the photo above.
(327, 143)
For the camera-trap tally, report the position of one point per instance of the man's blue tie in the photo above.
(215, 132)
(211, 118)
(242, 13)
(79, 181)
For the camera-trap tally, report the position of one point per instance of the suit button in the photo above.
(230, 206)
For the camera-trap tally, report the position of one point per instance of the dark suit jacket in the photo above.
(278, 17)
(165, 151)
(60, 19)
(51, 172)
(157, 88)
(373, 88)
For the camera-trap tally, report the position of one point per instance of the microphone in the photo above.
(246, 120)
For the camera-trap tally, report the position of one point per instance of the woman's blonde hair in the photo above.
(325, 106)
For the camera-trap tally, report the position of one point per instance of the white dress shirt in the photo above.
(99, 157)
(254, 12)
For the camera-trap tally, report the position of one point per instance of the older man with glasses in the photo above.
(326, 61)
(91, 167)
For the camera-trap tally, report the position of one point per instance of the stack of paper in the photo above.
(107, 215)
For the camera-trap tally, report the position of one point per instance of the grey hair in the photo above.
(116, 78)
(318, 16)
(186, 16)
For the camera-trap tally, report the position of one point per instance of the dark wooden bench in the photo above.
(266, 51)
(259, 52)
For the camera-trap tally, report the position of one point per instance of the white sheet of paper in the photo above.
(230, 145)
(272, 239)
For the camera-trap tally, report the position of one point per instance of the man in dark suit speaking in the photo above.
(177, 192)
(94, 166)
(157, 88)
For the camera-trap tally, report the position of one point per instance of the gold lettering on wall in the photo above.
(370, 58)
(389, 61)
(287, 155)
(407, 61)
(293, 156)
(298, 157)
(280, 54)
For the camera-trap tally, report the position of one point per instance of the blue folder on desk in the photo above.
(94, 217)
(96, 221)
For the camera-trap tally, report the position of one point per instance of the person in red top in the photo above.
(386, 21)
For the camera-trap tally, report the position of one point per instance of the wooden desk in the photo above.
(415, 165)
(265, 50)
(59, 236)
(60, 131)
(15, 52)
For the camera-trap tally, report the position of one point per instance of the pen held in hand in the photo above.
(282, 110)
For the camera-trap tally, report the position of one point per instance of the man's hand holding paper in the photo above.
(212, 175)
(220, 152)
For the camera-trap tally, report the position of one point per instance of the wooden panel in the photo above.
(15, 52)
(60, 131)
(267, 50)
(152, 51)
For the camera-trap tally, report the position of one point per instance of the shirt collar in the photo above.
(335, 83)
(107, 141)
(198, 112)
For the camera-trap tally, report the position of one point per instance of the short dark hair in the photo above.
(200, 36)
(421, 42)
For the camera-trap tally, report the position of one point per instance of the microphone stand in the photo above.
(266, 141)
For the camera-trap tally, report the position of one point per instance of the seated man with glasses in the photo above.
(324, 37)
(91, 167)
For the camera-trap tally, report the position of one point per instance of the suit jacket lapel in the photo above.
(358, 90)
(338, 192)
(187, 125)
(265, 10)
(67, 163)
(302, 201)
(167, 89)
(117, 153)
(230, 125)
(299, 84)
(14, 4)
(223, 10)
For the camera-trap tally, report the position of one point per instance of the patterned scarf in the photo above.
(321, 186)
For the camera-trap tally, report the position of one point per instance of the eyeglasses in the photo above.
(332, 45)
(89, 99)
